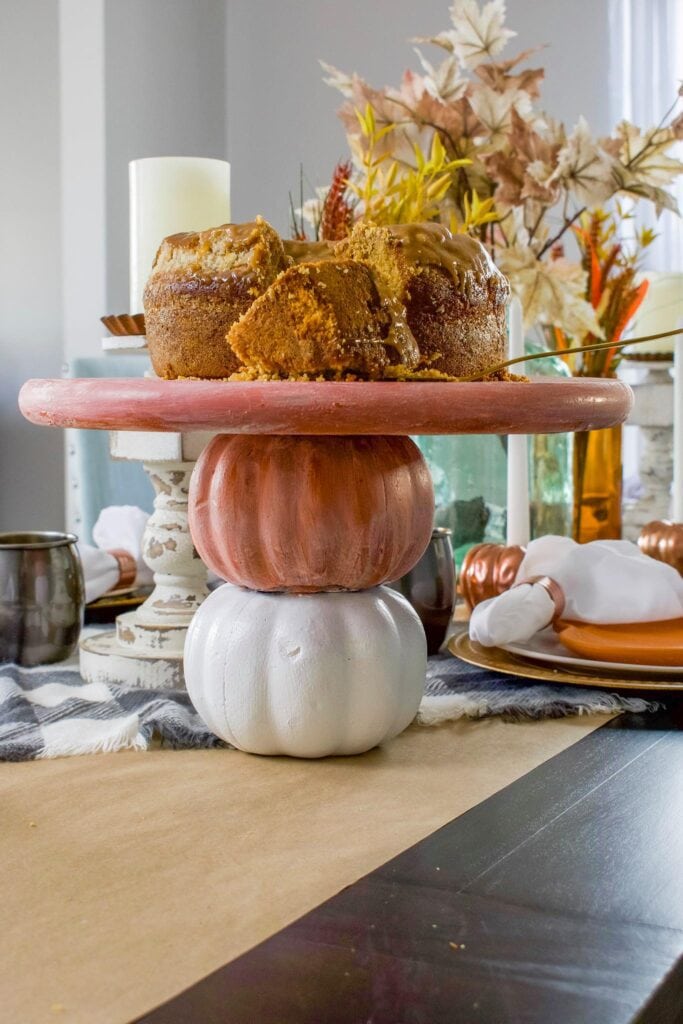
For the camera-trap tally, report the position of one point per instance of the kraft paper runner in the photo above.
(128, 877)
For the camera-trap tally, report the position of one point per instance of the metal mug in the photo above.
(430, 587)
(42, 597)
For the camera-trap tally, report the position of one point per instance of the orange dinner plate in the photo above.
(640, 643)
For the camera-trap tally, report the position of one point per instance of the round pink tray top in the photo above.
(311, 407)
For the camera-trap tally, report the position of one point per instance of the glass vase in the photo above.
(470, 478)
(597, 473)
(550, 463)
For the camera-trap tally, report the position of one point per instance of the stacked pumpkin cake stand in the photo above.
(308, 500)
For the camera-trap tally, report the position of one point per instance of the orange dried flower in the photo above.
(337, 213)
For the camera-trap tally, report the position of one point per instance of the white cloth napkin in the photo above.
(100, 571)
(118, 527)
(606, 581)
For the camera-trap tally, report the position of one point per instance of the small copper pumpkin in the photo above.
(664, 541)
(488, 570)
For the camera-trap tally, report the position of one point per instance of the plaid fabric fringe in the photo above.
(50, 712)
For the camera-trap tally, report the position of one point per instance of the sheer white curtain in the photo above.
(645, 71)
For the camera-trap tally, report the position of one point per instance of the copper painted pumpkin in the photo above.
(304, 514)
(488, 570)
(664, 541)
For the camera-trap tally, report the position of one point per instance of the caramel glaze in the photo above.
(399, 336)
(244, 238)
(308, 252)
(240, 236)
(429, 244)
(462, 257)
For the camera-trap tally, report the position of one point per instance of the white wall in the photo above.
(138, 78)
(83, 163)
(85, 86)
(31, 477)
(280, 113)
(165, 96)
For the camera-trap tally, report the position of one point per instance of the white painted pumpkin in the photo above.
(306, 675)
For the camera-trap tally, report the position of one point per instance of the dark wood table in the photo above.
(559, 900)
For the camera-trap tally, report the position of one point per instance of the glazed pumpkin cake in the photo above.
(384, 301)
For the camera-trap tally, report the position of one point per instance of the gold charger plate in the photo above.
(512, 665)
(106, 608)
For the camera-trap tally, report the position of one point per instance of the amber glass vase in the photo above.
(597, 485)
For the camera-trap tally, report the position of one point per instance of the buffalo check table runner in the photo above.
(51, 712)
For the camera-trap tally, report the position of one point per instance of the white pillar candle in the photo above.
(518, 527)
(677, 509)
(169, 194)
(662, 310)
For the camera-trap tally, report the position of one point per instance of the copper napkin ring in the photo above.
(128, 568)
(553, 589)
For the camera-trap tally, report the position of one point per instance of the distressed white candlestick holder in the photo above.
(146, 647)
(652, 412)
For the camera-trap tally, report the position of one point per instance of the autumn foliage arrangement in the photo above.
(613, 286)
(466, 142)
